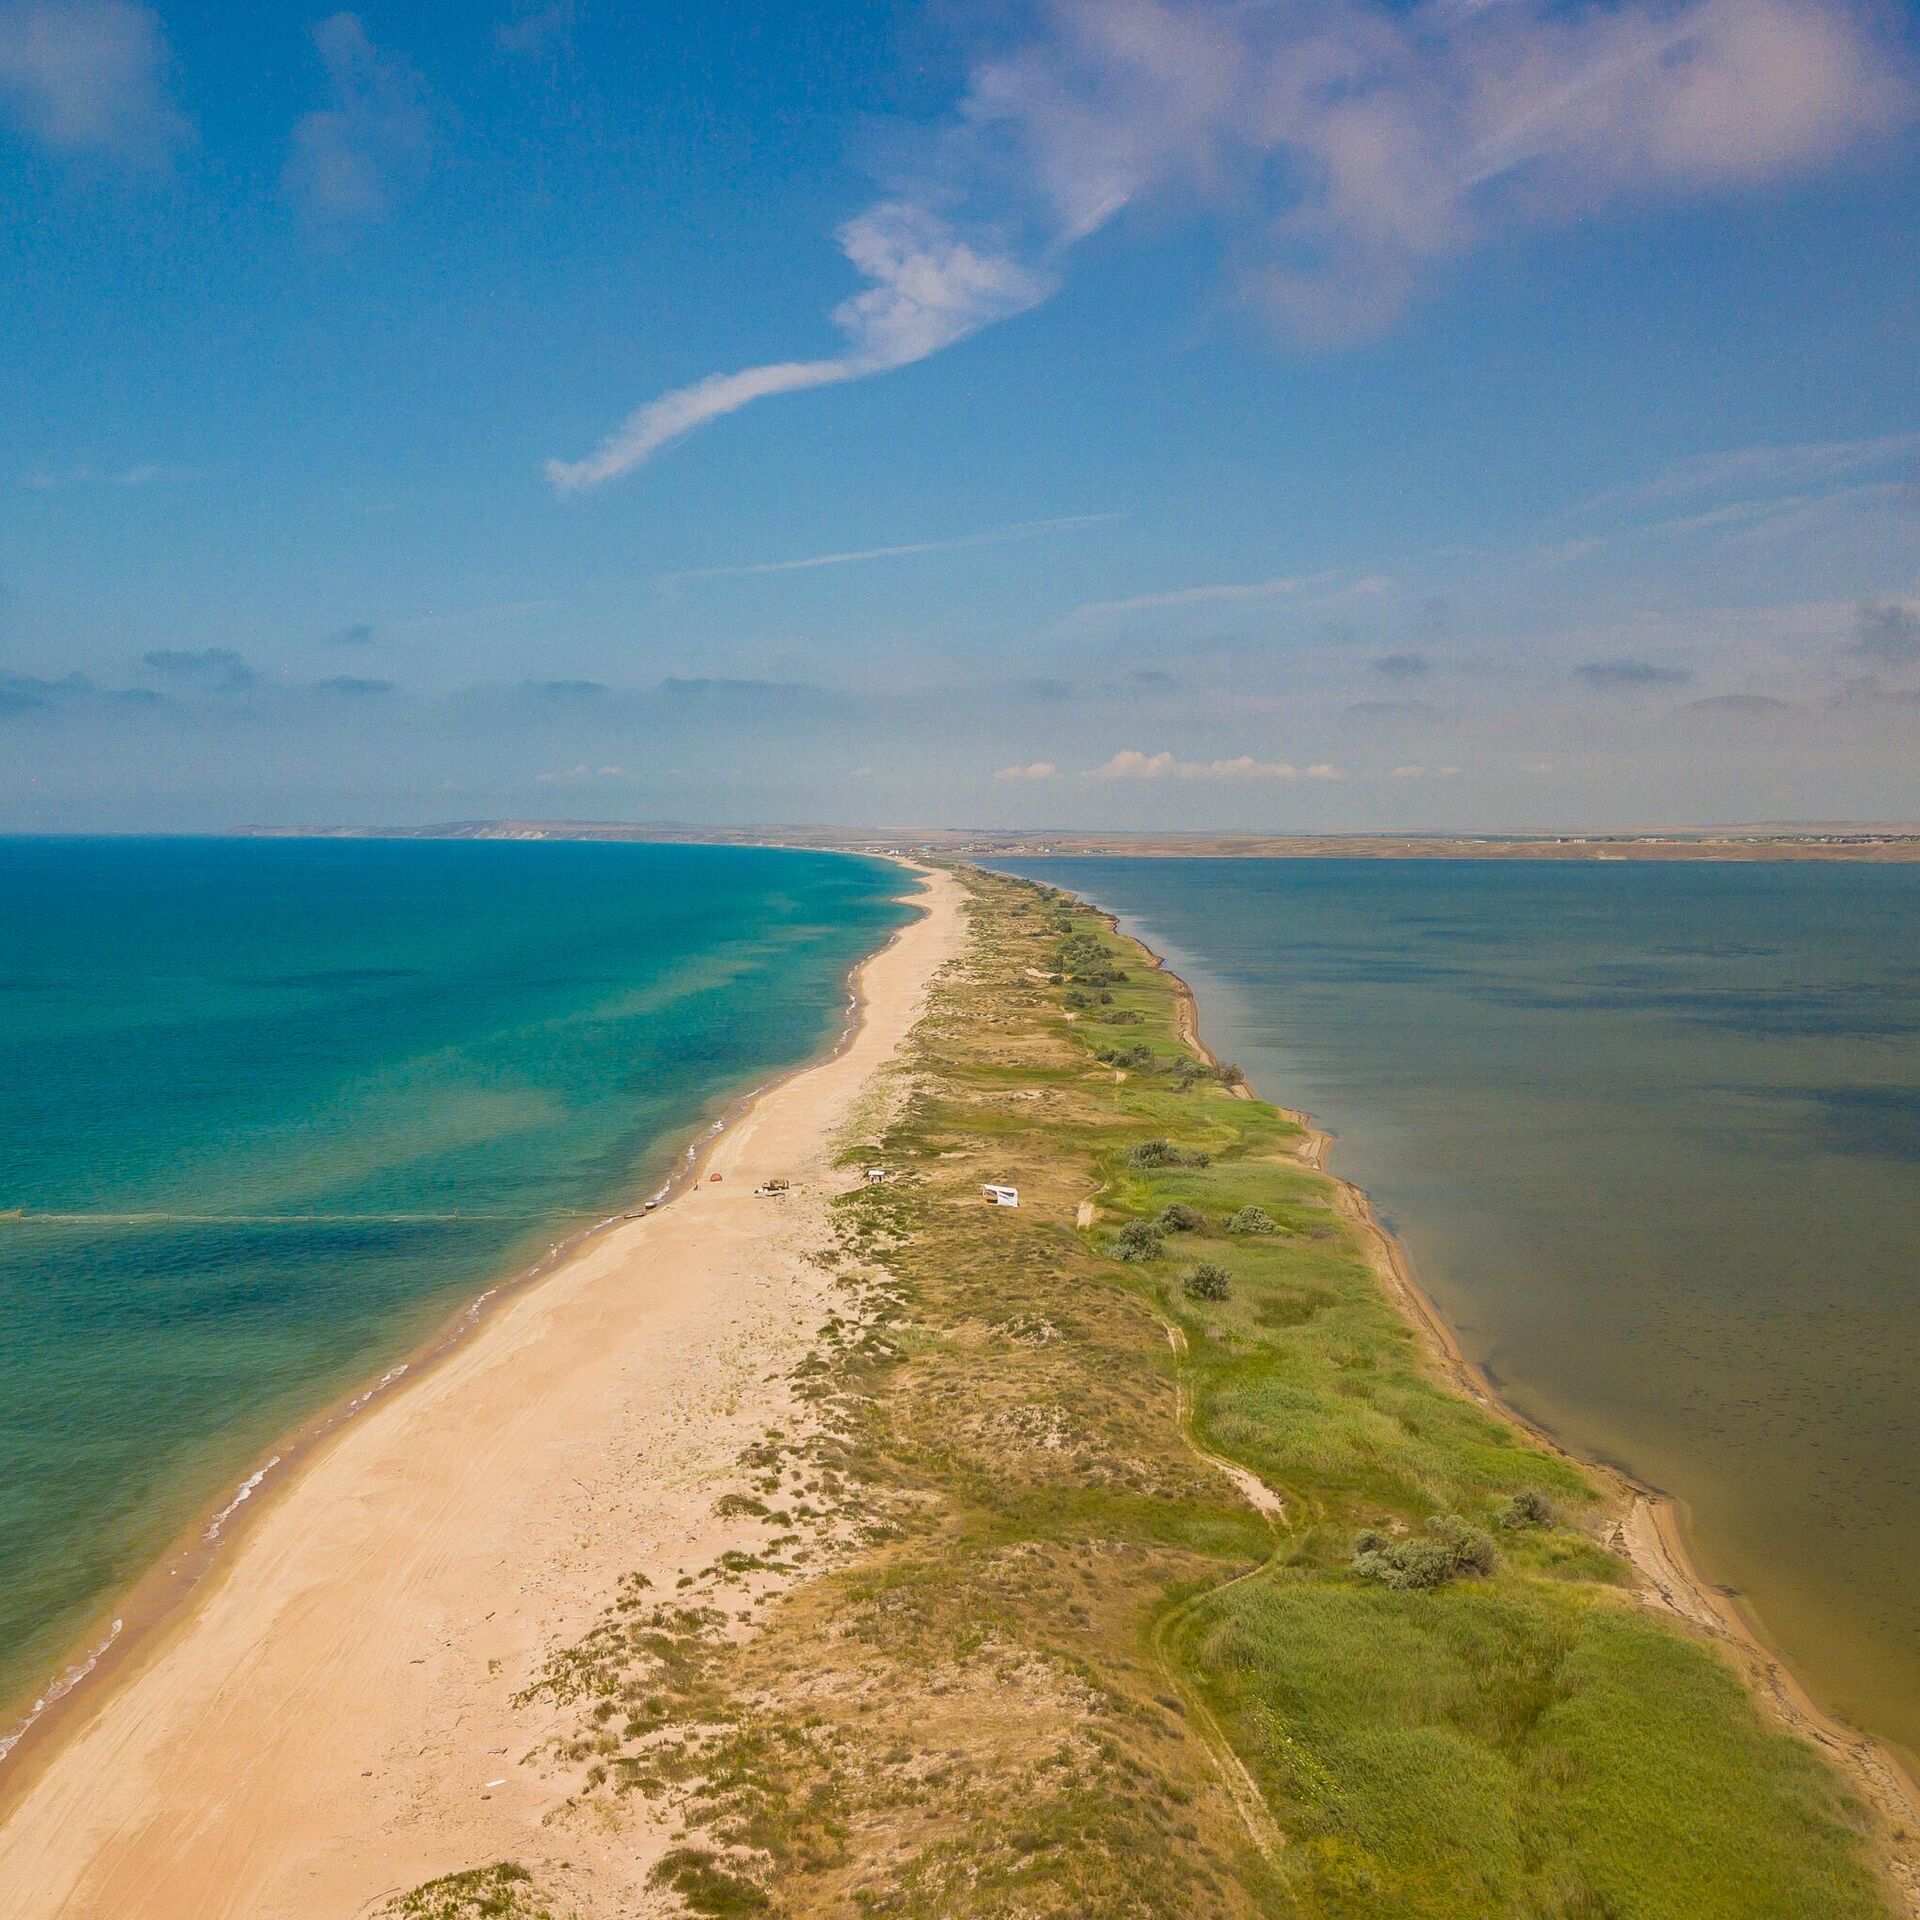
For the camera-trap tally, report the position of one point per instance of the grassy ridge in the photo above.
(1058, 1663)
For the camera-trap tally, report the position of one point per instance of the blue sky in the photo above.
(1295, 415)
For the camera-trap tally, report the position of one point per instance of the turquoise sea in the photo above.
(270, 1110)
(1651, 1134)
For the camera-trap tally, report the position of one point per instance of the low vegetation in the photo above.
(1172, 1579)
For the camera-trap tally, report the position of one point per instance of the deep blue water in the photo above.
(1651, 1134)
(297, 1099)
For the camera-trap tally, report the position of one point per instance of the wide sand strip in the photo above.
(334, 1721)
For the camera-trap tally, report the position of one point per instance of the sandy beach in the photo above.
(331, 1720)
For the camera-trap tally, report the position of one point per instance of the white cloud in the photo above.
(574, 776)
(1131, 764)
(1021, 530)
(88, 76)
(1423, 773)
(930, 286)
(1358, 146)
(1035, 770)
(371, 142)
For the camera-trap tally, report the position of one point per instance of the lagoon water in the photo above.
(1651, 1134)
(271, 1109)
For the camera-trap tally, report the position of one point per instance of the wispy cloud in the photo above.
(579, 775)
(1359, 146)
(202, 669)
(535, 27)
(1020, 530)
(929, 286)
(372, 140)
(1404, 666)
(1630, 676)
(144, 473)
(1131, 764)
(84, 76)
(1033, 770)
(353, 686)
(1194, 597)
(1757, 476)
(1889, 634)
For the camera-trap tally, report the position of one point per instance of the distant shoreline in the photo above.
(1891, 842)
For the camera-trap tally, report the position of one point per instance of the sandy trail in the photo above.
(332, 1721)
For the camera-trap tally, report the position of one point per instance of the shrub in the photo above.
(1469, 1549)
(1138, 1240)
(1252, 1220)
(1136, 1058)
(1123, 1016)
(1528, 1508)
(1409, 1565)
(1163, 1153)
(1080, 998)
(1207, 1282)
(1451, 1548)
(1177, 1217)
(1231, 1076)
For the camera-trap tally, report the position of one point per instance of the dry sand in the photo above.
(333, 1721)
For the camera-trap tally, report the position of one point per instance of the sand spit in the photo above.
(331, 1720)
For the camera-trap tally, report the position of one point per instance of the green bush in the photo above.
(1252, 1220)
(1163, 1153)
(1449, 1549)
(1138, 1240)
(1207, 1282)
(1528, 1508)
(1177, 1217)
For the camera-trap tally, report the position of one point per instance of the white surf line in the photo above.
(59, 1690)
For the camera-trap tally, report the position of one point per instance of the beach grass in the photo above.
(1131, 1596)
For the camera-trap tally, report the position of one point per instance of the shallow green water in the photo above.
(1652, 1136)
(291, 1101)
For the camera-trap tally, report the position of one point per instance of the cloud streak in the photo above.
(928, 287)
(1020, 530)
(1356, 148)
